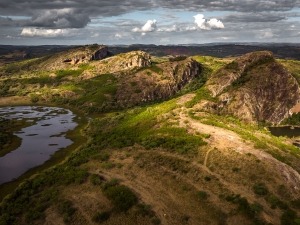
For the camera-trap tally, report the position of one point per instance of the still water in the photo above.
(287, 131)
(40, 140)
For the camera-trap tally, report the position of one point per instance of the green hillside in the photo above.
(162, 148)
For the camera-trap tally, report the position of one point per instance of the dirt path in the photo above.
(223, 139)
(206, 156)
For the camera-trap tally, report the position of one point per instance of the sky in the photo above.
(161, 22)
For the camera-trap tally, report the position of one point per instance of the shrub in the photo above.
(202, 195)
(260, 189)
(121, 196)
(66, 209)
(296, 203)
(100, 217)
(145, 210)
(275, 202)
(289, 217)
(155, 221)
(207, 178)
(34, 98)
(95, 179)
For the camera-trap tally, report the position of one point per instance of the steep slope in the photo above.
(255, 87)
(156, 82)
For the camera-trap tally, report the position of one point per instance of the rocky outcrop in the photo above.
(85, 54)
(225, 76)
(156, 82)
(255, 88)
(123, 62)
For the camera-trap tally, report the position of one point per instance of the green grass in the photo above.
(138, 126)
(94, 94)
(68, 72)
(21, 67)
(201, 94)
(211, 62)
(293, 67)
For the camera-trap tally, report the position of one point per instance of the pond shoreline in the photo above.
(76, 136)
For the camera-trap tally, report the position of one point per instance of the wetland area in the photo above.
(43, 133)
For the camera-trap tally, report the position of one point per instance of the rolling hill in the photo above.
(171, 140)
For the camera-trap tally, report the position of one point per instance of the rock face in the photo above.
(224, 77)
(123, 62)
(255, 88)
(156, 82)
(85, 54)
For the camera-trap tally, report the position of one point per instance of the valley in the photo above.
(163, 139)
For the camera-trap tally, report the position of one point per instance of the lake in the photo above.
(287, 131)
(40, 140)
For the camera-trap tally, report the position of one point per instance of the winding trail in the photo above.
(223, 139)
(206, 157)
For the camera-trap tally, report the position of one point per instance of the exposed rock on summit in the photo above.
(156, 82)
(86, 55)
(224, 77)
(123, 62)
(256, 88)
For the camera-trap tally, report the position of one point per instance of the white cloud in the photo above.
(215, 24)
(189, 28)
(200, 21)
(33, 32)
(204, 24)
(168, 29)
(149, 26)
(118, 36)
(266, 34)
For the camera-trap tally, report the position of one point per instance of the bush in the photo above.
(145, 210)
(296, 203)
(207, 178)
(260, 189)
(202, 195)
(293, 120)
(96, 180)
(34, 98)
(100, 217)
(289, 217)
(66, 209)
(121, 196)
(276, 202)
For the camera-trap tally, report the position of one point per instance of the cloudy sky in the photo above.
(36, 22)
